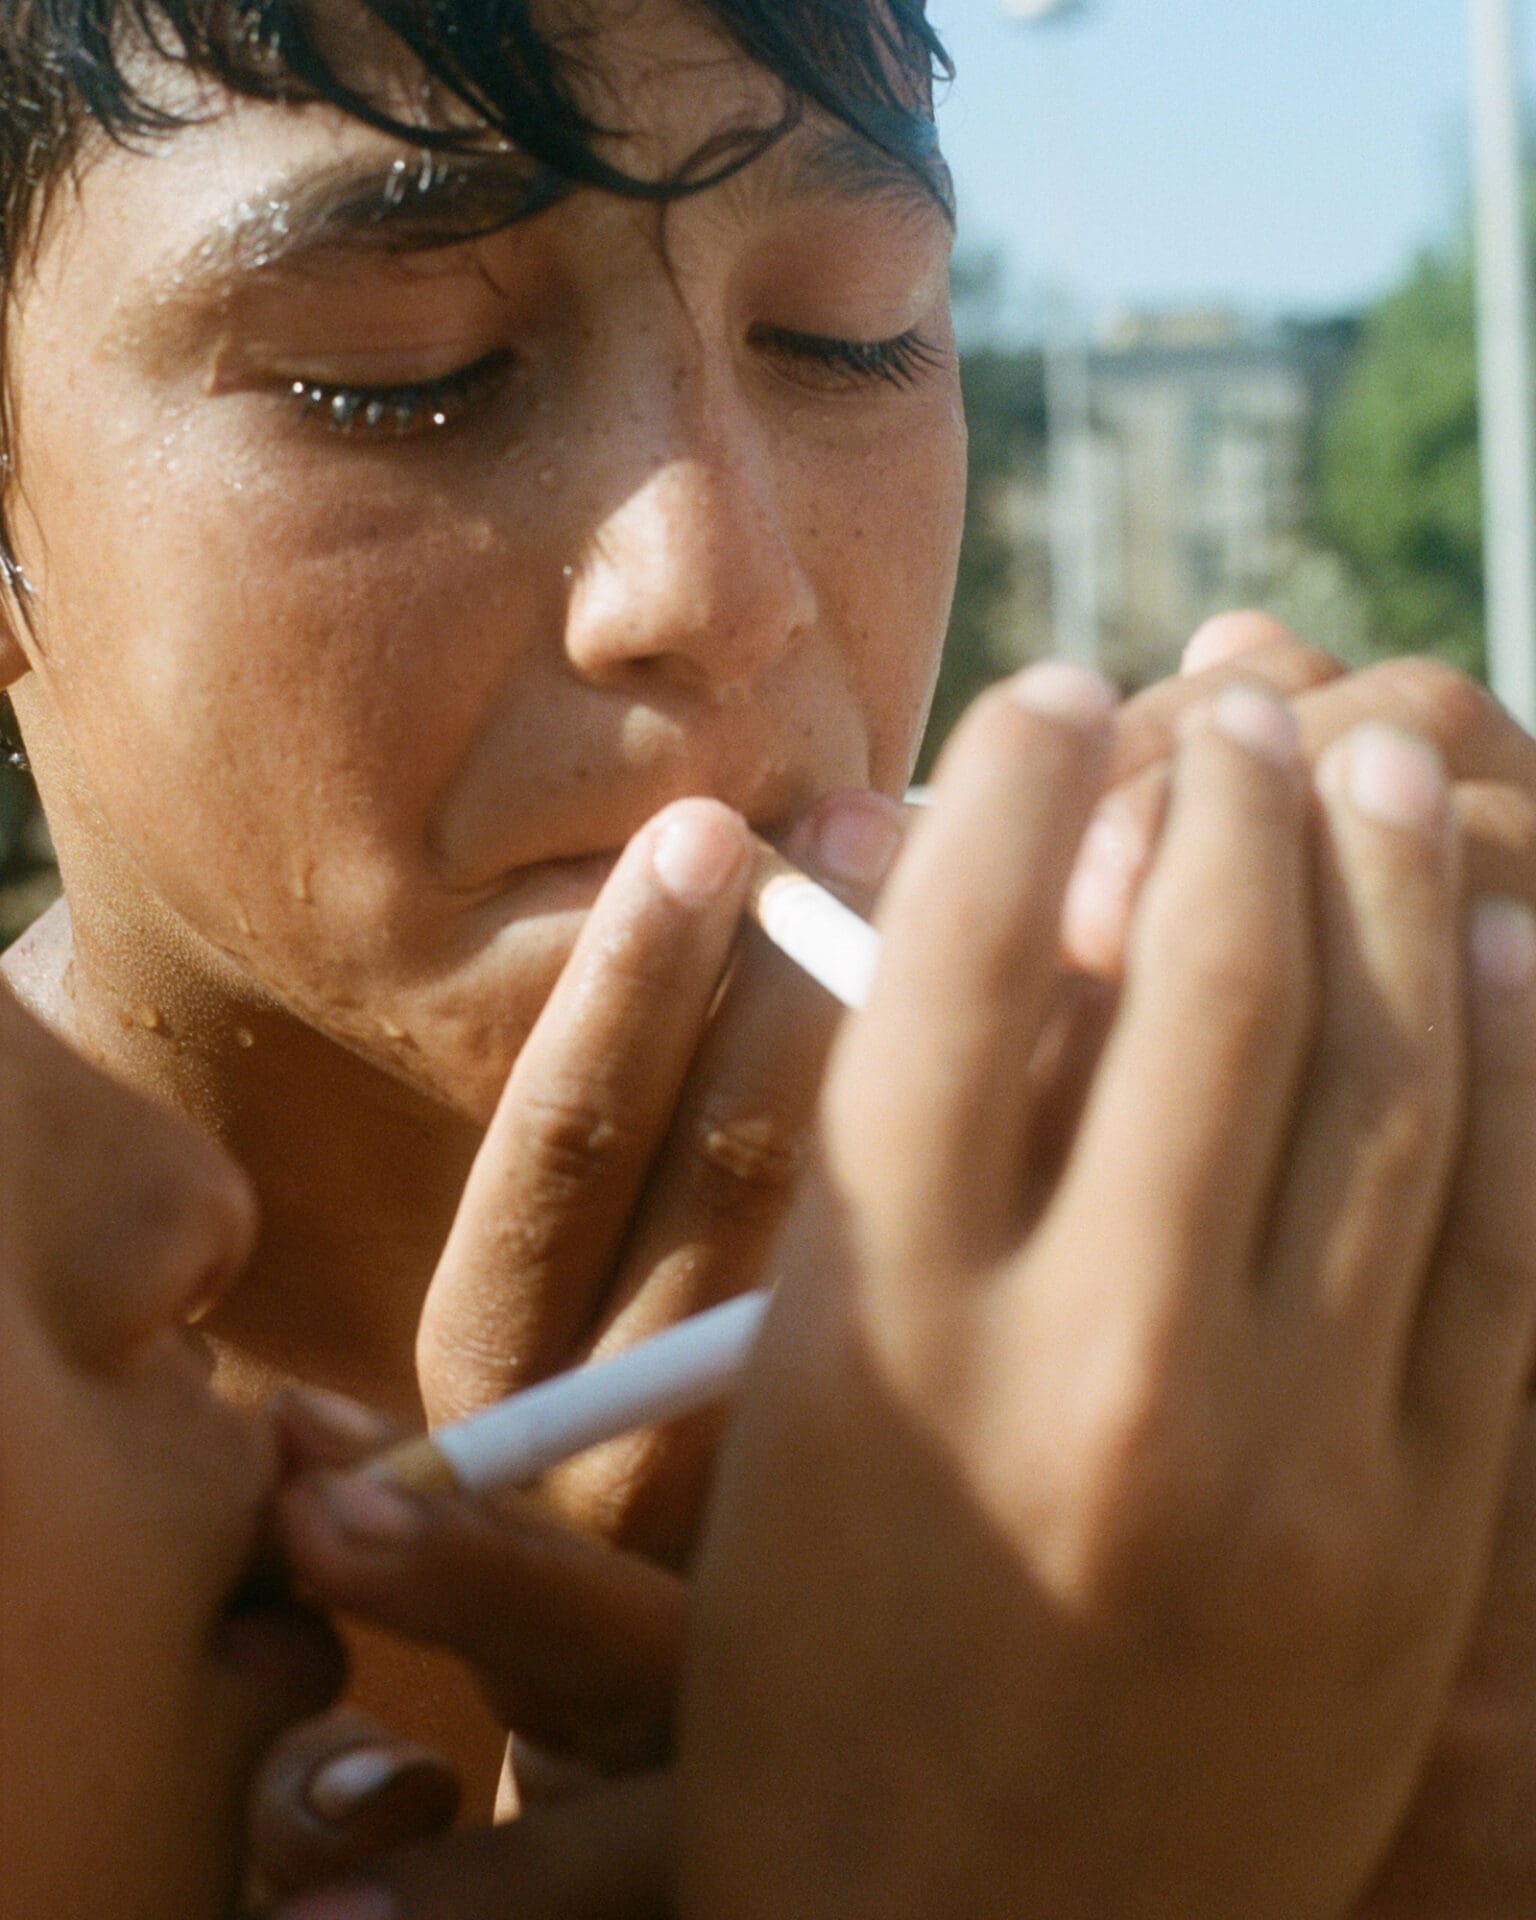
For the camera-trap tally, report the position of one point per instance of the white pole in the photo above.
(1070, 484)
(1073, 508)
(1507, 420)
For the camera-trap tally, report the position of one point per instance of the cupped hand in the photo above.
(642, 1156)
(1489, 757)
(575, 1645)
(1101, 1538)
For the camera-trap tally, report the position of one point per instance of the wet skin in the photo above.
(340, 728)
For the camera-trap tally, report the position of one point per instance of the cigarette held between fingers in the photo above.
(692, 1364)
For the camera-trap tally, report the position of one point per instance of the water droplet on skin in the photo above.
(244, 1037)
(243, 922)
(301, 886)
(390, 1031)
(549, 479)
(568, 573)
(151, 1019)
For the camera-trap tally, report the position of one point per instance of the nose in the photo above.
(693, 575)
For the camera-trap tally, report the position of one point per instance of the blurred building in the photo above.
(1202, 442)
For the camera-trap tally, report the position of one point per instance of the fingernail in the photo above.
(368, 1512)
(363, 1900)
(1503, 938)
(339, 1788)
(1255, 719)
(1395, 778)
(1064, 691)
(697, 852)
(856, 836)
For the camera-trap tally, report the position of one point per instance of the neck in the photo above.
(357, 1174)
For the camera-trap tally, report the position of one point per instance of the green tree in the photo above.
(1400, 495)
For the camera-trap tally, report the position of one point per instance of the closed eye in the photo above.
(398, 412)
(898, 362)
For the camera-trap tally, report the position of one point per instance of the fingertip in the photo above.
(319, 1428)
(1064, 690)
(1229, 636)
(849, 838)
(697, 848)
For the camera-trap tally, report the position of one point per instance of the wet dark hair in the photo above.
(67, 66)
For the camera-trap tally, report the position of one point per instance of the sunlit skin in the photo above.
(339, 731)
(130, 1506)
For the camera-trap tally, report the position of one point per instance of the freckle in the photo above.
(244, 1037)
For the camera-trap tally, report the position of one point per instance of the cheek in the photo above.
(302, 660)
(889, 554)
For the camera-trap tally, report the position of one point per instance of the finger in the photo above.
(317, 1428)
(1117, 848)
(929, 1099)
(605, 1856)
(1475, 736)
(1149, 725)
(1376, 1127)
(1474, 1347)
(722, 1181)
(576, 1645)
(1227, 638)
(1497, 821)
(1217, 1005)
(336, 1792)
(555, 1181)
(1110, 871)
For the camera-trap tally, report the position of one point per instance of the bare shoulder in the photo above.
(36, 966)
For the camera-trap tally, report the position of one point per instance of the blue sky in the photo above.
(1275, 155)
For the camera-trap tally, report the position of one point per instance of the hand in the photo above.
(1468, 1846)
(1490, 758)
(575, 1644)
(641, 1159)
(1105, 1545)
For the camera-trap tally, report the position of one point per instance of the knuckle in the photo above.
(742, 1158)
(572, 1137)
(1450, 708)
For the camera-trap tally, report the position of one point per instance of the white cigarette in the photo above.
(701, 1359)
(690, 1365)
(833, 945)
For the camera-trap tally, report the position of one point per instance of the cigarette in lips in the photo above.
(822, 936)
(700, 1360)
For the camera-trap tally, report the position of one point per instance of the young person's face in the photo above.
(641, 513)
(139, 1682)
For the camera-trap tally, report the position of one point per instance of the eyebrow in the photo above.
(848, 166)
(405, 205)
(429, 200)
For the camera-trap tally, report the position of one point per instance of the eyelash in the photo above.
(396, 412)
(431, 405)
